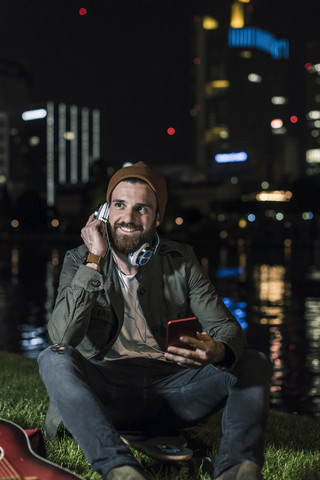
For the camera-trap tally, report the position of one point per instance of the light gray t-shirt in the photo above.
(135, 338)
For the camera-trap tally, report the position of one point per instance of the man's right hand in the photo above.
(94, 236)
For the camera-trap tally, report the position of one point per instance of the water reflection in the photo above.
(29, 278)
(274, 294)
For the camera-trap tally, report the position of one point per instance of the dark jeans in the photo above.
(97, 399)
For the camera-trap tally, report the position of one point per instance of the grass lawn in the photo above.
(292, 442)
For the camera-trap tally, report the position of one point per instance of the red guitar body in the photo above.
(19, 462)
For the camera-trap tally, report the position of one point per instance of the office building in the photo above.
(312, 110)
(62, 142)
(242, 114)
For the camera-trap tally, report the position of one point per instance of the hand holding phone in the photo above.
(94, 234)
(179, 328)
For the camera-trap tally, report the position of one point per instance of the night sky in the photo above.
(132, 59)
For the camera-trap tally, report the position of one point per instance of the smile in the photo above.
(129, 229)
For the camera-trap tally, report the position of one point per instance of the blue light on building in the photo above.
(231, 157)
(251, 37)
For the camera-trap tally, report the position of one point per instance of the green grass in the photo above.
(292, 441)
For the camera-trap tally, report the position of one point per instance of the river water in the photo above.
(274, 293)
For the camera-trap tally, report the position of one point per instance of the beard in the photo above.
(127, 244)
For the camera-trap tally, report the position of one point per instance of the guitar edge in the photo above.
(18, 460)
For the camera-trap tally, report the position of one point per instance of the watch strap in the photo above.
(98, 260)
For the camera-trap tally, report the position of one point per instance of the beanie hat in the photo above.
(149, 175)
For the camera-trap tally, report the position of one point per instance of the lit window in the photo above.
(314, 114)
(313, 155)
(237, 15)
(220, 84)
(34, 141)
(276, 123)
(254, 78)
(274, 196)
(246, 54)
(224, 134)
(278, 100)
(209, 23)
(231, 157)
(69, 135)
(34, 114)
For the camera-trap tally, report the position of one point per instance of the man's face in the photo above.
(132, 217)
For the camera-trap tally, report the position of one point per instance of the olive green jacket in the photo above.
(89, 310)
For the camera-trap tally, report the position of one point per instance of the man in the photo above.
(109, 370)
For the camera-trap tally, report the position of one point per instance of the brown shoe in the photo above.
(246, 470)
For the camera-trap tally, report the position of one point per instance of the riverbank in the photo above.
(292, 441)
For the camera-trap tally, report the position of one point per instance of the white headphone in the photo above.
(142, 256)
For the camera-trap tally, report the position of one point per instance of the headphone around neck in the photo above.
(142, 256)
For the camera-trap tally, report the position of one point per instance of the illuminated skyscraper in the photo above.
(312, 81)
(241, 108)
(65, 141)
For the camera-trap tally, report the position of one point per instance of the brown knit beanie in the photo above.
(149, 175)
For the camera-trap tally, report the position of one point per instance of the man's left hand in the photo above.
(206, 351)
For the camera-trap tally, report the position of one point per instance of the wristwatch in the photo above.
(92, 258)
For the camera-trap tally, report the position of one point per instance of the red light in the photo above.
(171, 131)
(308, 66)
(196, 61)
(293, 119)
(82, 11)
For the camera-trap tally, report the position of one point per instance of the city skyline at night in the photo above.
(132, 60)
(136, 63)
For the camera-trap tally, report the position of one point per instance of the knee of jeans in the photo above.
(55, 354)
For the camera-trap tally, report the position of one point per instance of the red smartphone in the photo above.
(177, 328)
